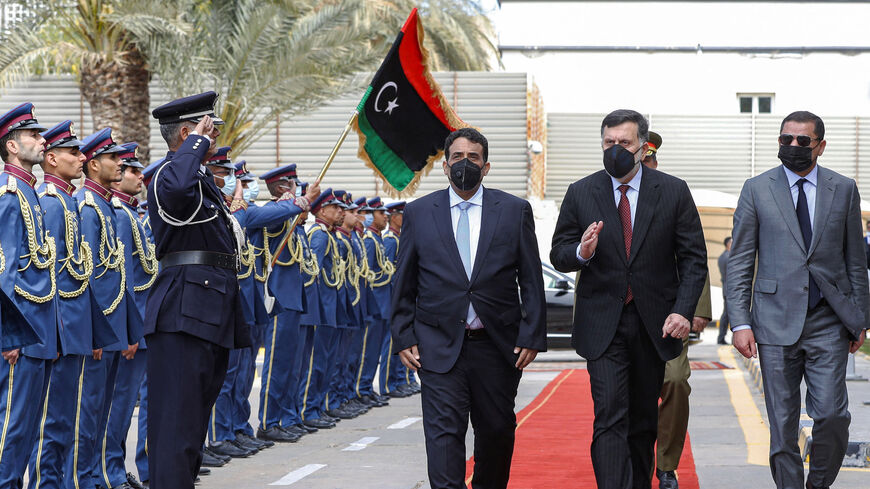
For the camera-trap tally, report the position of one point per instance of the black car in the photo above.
(559, 289)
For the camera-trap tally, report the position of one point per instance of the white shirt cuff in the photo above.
(740, 328)
(582, 260)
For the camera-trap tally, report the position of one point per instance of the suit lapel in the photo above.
(606, 203)
(825, 190)
(488, 224)
(647, 200)
(444, 224)
(782, 196)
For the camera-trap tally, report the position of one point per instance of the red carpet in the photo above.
(553, 436)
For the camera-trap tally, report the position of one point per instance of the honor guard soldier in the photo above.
(379, 295)
(319, 355)
(359, 347)
(140, 264)
(27, 277)
(335, 400)
(197, 244)
(285, 273)
(109, 284)
(84, 330)
(401, 381)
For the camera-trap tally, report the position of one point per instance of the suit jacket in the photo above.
(666, 268)
(766, 226)
(199, 300)
(431, 290)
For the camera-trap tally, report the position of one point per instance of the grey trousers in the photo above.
(819, 357)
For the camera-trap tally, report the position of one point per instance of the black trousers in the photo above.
(626, 382)
(723, 322)
(184, 375)
(483, 385)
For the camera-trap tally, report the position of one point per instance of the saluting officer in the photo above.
(319, 355)
(140, 265)
(285, 273)
(85, 329)
(198, 247)
(382, 272)
(109, 285)
(27, 276)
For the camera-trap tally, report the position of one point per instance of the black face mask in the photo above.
(465, 174)
(618, 161)
(796, 158)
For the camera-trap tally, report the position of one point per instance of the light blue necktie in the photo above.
(463, 241)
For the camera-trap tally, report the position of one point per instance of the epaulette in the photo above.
(89, 199)
(115, 202)
(11, 185)
(50, 189)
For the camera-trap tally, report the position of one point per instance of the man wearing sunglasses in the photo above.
(809, 302)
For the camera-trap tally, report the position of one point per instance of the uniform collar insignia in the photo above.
(21, 174)
(323, 223)
(98, 189)
(374, 230)
(60, 183)
(126, 198)
(395, 231)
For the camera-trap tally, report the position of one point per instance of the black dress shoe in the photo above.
(667, 479)
(231, 448)
(297, 430)
(384, 399)
(275, 433)
(210, 460)
(310, 429)
(133, 481)
(329, 418)
(358, 405)
(407, 389)
(397, 393)
(341, 413)
(318, 423)
(367, 400)
(248, 440)
(204, 471)
(217, 456)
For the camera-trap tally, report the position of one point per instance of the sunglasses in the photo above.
(786, 139)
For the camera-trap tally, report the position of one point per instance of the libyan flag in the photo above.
(403, 116)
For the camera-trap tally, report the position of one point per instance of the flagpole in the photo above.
(323, 171)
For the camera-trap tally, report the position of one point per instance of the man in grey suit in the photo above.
(810, 299)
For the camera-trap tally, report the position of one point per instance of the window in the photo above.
(755, 103)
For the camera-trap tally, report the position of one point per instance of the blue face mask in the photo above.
(368, 220)
(229, 184)
(252, 191)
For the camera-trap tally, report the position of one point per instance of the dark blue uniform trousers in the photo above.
(127, 382)
(112, 359)
(282, 369)
(142, 440)
(241, 413)
(376, 331)
(220, 426)
(22, 389)
(185, 375)
(318, 372)
(390, 374)
(340, 375)
(57, 423)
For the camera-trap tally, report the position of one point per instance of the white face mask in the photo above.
(252, 191)
(229, 184)
(368, 220)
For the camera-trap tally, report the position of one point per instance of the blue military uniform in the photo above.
(198, 247)
(360, 345)
(83, 326)
(284, 338)
(379, 301)
(27, 277)
(109, 285)
(140, 264)
(319, 355)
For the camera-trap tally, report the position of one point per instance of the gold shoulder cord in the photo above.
(247, 259)
(294, 246)
(364, 270)
(351, 268)
(146, 252)
(110, 257)
(41, 256)
(387, 269)
(309, 264)
(80, 268)
(337, 279)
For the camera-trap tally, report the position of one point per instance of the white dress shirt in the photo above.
(810, 190)
(631, 194)
(475, 212)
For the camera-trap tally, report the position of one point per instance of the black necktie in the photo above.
(803, 215)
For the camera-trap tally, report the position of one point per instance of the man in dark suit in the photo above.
(457, 318)
(723, 265)
(636, 295)
(197, 243)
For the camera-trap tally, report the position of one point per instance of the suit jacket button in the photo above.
(806, 289)
(205, 283)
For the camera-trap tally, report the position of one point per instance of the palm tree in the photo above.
(99, 42)
(280, 58)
